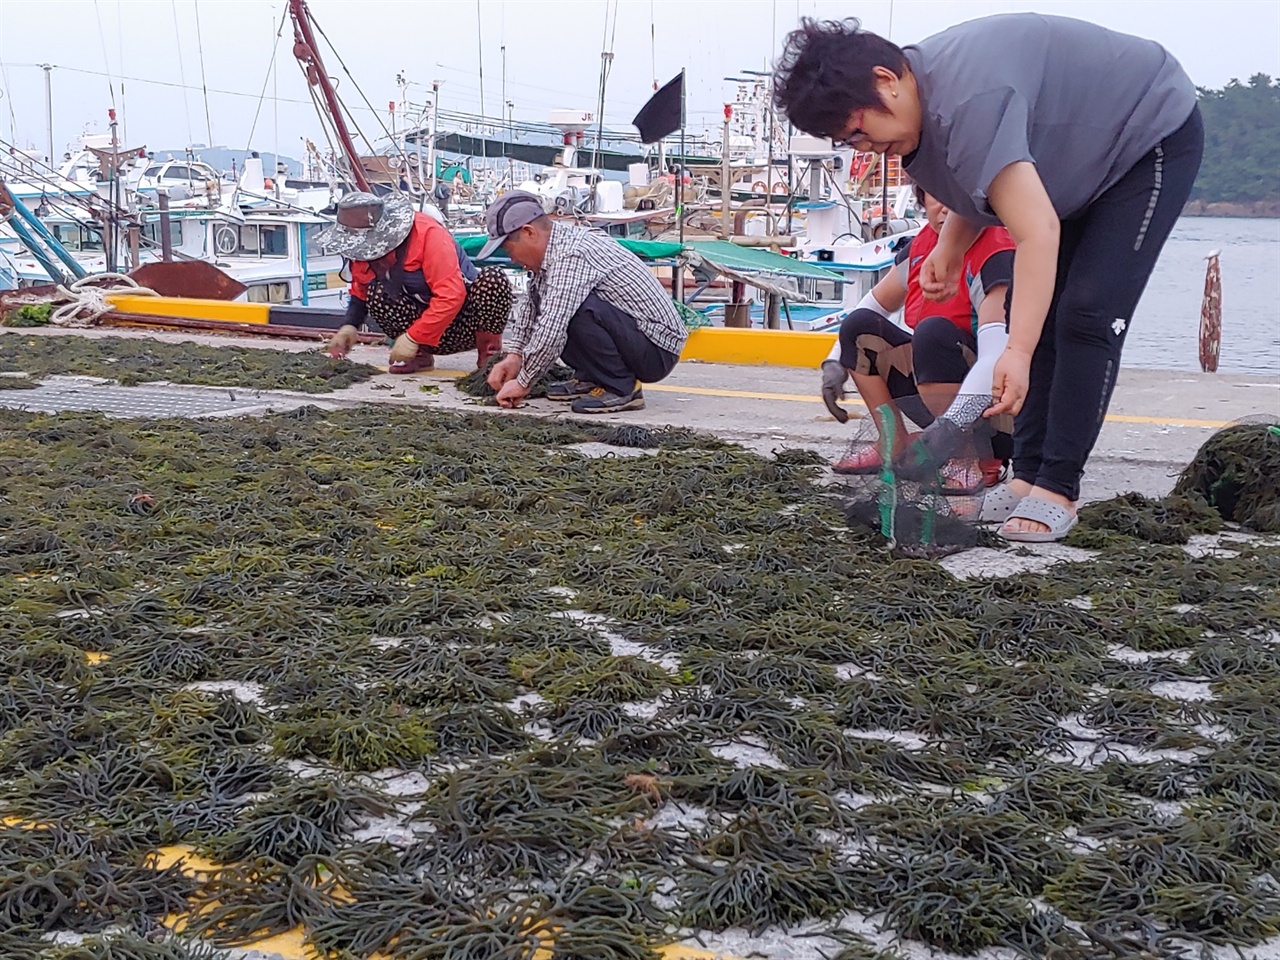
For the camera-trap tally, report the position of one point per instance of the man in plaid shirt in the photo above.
(589, 302)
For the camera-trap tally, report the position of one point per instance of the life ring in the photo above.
(759, 187)
(226, 240)
(875, 212)
(779, 187)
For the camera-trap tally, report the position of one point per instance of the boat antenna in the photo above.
(182, 73)
(503, 38)
(204, 88)
(484, 152)
(262, 94)
(606, 64)
(653, 46)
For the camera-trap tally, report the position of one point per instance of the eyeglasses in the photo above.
(857, 134)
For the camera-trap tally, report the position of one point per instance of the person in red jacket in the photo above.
(918, 369)
(412, 279)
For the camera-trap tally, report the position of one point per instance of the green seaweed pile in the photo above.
(476, 383)
(1237, 472)
(440, 686)
(28, 315)
(137, 360)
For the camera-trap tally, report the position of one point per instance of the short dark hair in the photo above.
(919, 194)
(824, 73)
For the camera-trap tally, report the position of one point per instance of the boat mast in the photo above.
(304, 49)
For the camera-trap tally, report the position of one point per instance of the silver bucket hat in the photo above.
(368, 227)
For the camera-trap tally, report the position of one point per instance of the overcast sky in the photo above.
(552, 56)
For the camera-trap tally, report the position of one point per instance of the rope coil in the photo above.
(86, 299)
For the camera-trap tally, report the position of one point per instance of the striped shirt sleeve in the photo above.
(568, 282)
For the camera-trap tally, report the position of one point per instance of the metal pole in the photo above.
(725, 175)
(768, 183)
(435, 118)
(37, 251)
(422, 177)
(790, 174)
(113, 254)
(302, 260)
(48, 109)
(21, 220)
(677, 280)
(884, 195)
(166, 241)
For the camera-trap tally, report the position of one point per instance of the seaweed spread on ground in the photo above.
(478, 695)
(136, 360)
(476, 383)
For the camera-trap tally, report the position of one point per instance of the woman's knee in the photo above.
(942, 352)
(863, 323)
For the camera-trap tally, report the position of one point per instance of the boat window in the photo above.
(67, 235)
(275, 241)
(178, 171)
(312, 232)
(251, 240)
(152, 232)
(248, 242)
(90, 239)
(827, 290)
(268, 293)
(154, 171)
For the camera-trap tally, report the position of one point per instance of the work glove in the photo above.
(834, 376)
(342, 342)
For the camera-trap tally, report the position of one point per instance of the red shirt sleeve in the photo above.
(360, 281)
(989, 241)
(448, 290)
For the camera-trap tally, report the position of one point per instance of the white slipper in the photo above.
(998, 504)
(1057, 518)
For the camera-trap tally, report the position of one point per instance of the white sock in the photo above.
(975, 393)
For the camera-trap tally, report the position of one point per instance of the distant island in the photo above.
(1240, 175)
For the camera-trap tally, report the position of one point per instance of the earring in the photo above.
(895, 94)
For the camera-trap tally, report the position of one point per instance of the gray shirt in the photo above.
(1081, 102)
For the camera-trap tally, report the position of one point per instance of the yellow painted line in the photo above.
(740, 394)
(190, 308)
(807, 398)
(774, 348)
(1167, 421)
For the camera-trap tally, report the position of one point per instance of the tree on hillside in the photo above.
(1242, 142)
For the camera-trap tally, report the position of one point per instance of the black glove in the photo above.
(834, 376)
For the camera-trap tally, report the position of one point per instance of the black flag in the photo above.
(664, 113)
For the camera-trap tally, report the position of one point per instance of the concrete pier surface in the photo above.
(1157, 419)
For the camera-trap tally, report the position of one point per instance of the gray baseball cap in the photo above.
(506, 215)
